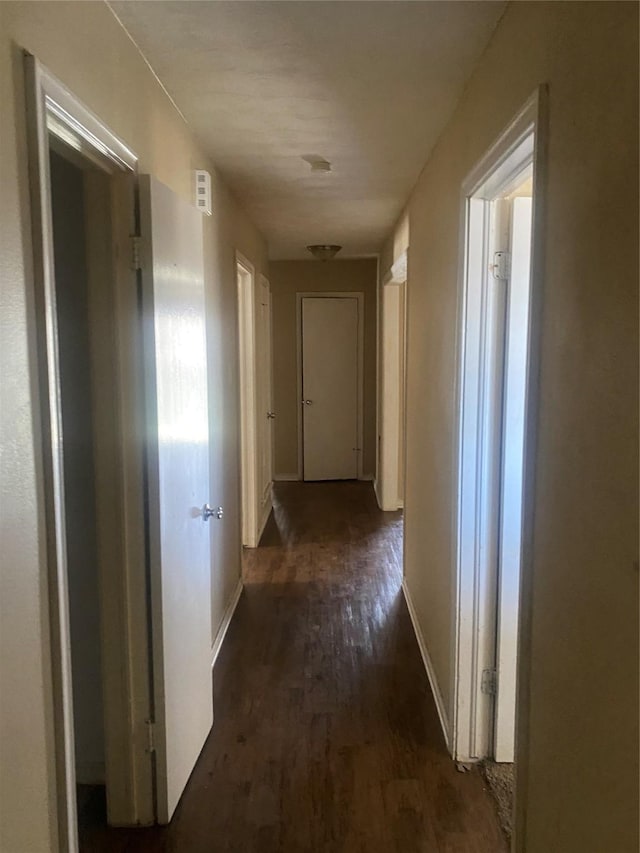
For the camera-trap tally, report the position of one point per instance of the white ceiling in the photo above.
(368, 86)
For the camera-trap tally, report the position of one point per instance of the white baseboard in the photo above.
(226, 621)
(285, 478)
(431, 674)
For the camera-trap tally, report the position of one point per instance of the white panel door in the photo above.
(515, 385)
(178, 477)
(265, 414)
(330, 388)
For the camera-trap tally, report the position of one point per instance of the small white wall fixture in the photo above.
(248, 400)
(392, 338)
(476, 530)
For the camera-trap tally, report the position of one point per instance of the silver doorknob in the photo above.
(209, 512)
(271, 415)
(307, 402)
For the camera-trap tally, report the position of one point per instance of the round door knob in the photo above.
(271, 415)
(307, 402)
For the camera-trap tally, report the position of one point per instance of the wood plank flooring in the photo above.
(326, 737)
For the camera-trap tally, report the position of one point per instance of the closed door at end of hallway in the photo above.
(330, 378)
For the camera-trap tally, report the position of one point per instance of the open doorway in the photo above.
(496, 411)
(71, 264)
(82, 209)
(120, 297)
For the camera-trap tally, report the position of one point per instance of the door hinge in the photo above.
(151, 735)
(136, 264)
(502, 266)
(489, 682)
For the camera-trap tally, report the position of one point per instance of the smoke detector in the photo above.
(317, 163)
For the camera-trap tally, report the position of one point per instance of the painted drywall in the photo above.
(67, 201)
(287, 279)
(577, 748)
(84, 46)
(268, 83)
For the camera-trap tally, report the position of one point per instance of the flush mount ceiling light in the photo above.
(324, 252)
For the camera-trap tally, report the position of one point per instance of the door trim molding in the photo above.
(51, 108)
(504, 158)
(248, 404)
(342, 294)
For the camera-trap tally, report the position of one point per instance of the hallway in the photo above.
(326, 737)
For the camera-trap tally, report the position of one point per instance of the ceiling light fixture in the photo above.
(324, 252)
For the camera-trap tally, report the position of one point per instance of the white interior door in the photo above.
(178, 476)
(330, 378)
(515, 384)
(265, 413)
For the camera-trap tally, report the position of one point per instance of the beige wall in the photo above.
(288, 278)
(83, 45)
(578, 747)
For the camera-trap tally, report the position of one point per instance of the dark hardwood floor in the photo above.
(326, 736)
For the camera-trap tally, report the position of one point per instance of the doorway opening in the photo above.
(71, 263)
(494, 470)
(82, 208)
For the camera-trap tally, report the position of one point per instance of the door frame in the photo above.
(247, 409)
(472, 720)
(52, 108)
(392, 385)
(342, 294)
(161, 213)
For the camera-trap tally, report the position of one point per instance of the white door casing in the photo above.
(178, 477)
(477, 534)
(330, 387)
(52, 110)
(390, 479)
(249, 406)
(512, 485)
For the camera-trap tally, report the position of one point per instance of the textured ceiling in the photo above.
(367, 86)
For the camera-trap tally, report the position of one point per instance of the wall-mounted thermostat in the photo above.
(203, 191)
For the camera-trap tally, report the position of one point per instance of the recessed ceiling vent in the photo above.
(324, 252)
